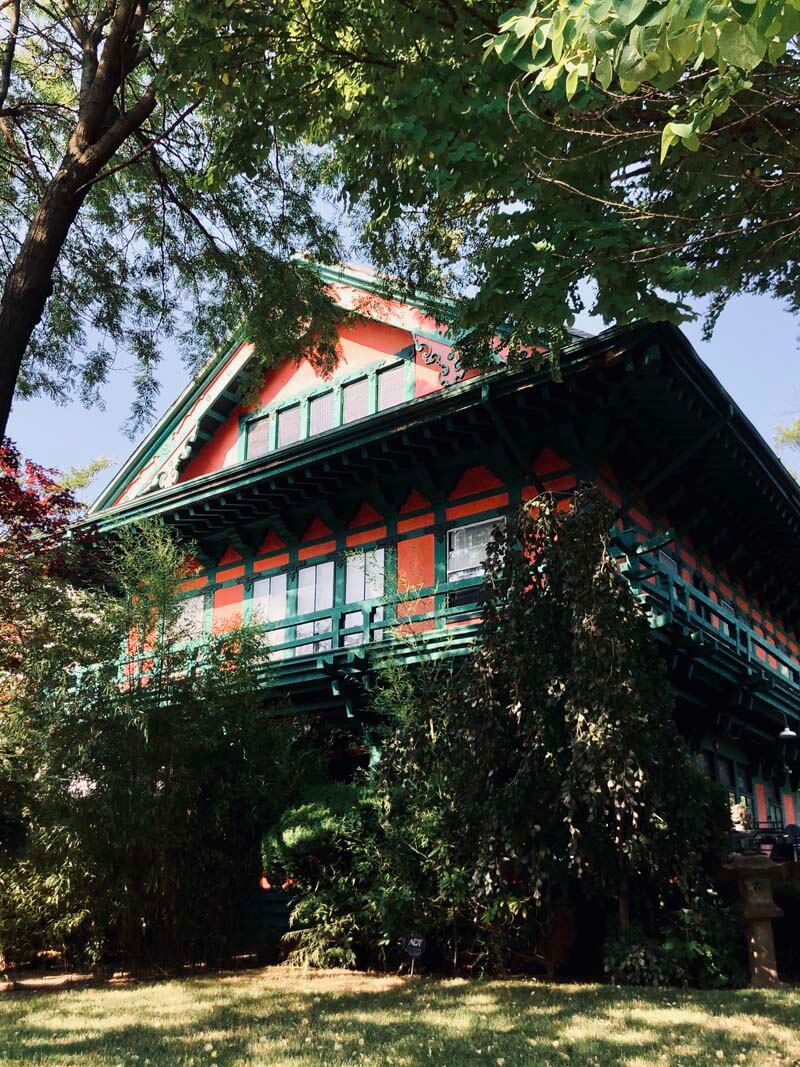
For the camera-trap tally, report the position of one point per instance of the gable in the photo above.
(206, 429)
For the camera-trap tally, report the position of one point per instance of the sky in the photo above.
(755, 352)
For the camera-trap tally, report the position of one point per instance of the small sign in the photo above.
(414, 944)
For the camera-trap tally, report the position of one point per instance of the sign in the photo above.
(414, 945)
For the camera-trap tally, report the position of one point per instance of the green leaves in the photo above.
(636, 42)
(628, 11)
(741, 46)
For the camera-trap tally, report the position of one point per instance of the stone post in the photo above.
(755, 874)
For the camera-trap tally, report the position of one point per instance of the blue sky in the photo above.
(754, 352)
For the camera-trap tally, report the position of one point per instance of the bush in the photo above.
(701, 945)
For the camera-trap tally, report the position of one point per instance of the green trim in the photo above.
(167, 423)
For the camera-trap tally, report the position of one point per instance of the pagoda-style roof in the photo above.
(636, 397)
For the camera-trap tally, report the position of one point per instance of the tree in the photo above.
(39, 562)
(544, 774)
(142, 774)
(139, 198)
(630, 43)
(469, 172)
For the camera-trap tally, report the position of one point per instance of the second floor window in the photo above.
(320, 413)
(466, 550)
(258, 437)
(190, 623)
(355, 400)
(391, 387)
(268, 604)
(466, 557)
(289, 425)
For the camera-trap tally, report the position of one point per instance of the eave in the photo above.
(637, 397)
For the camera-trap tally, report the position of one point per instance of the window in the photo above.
(190, 623)
(363, 581)
(289, 425)
(391, 387)
(704, 761)
(321, 413)
(774, 811)
(268, 604)
(355, 400)
(466, 550)
(466, 555)
(258, 437)
(314, 593)
(725, 776)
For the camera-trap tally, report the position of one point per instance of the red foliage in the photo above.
(35, 510)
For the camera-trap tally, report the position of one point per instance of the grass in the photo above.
(283, 1018)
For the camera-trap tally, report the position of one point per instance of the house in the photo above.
(350, 514)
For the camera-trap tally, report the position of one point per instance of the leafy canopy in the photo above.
(140, 199)
(543, 776)
(627, 43)
(467, 177)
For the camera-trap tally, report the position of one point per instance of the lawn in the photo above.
(284, 1018)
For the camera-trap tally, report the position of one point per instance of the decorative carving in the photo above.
(435, 352)
(164, 477)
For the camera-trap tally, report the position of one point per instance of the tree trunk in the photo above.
(30, 280)
(624, 906)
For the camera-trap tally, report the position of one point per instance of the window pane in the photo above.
(321, 413)
(324, 597)
(466, 550)
(725, 771)
(258, 437)
(373, 573)
(355, 400)
(354, 579)
(191, 618)
(289, 426)
(391, 387)
(306, 580)
(269, 598)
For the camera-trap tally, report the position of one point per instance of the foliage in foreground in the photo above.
(140, 197)
(141, 773)
(464, 169)
(541, 781)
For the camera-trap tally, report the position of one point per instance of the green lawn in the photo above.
(284, 1018)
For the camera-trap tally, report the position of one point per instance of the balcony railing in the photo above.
(673, 599)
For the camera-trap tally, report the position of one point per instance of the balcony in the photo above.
(709, 636)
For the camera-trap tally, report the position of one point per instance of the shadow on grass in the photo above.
(285, 1018)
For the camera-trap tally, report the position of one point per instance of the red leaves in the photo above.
(35, 510)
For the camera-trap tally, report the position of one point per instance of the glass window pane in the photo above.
(355, 404)
(725, 771)
(466, 550)
(354, 579)
(321, 413)
(258, 437)
(391, 387)
(191, 618)
(269, 598)
(289, 426)
(324, 597)
(306, 579)
(373, 573)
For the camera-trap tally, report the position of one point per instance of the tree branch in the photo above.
(8, 53)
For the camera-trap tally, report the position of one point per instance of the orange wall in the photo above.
(362, 344)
